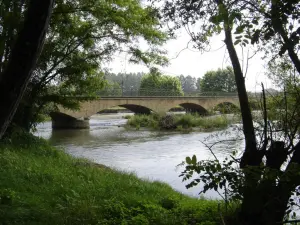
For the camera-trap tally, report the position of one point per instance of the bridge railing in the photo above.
(116, 92)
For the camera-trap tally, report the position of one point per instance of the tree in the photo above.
(279, 34)
(156, 84)
(198, 84)
(285, 78)
(111, 89)
(128, 82)
(221, 80)
(188, 83)
(73, 55)
(265, 189)
(22, 59)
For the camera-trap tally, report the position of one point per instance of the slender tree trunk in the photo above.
(28, 46)
(250, 157)
(252, 205)
(265, 198)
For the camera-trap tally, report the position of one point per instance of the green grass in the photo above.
(189, 121)
(182, 121)
(40, 184)
(150, 121)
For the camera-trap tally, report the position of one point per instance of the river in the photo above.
(152, 155)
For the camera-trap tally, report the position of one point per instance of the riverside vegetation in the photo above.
(40, 184)
(178, 122)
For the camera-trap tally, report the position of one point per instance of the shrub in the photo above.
(180, 122)
(127, 117)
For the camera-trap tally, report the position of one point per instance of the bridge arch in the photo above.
(134, 108)
(64, 121)
(137, 109)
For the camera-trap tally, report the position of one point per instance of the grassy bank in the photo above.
(42, 185)
(181, 122)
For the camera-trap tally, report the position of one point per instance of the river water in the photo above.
(152, 155)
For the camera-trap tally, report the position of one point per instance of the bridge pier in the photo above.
(62, 121)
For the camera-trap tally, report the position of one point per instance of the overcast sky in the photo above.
(194, 63)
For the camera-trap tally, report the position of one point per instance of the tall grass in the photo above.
(150, 121)
(40, 184)
(194, 120)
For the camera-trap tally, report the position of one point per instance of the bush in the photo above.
(195, 120)
(186, 120)
(180, 122)
(137, 121)
(167, 122)
(127, 117)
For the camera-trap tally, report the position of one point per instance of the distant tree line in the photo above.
(221, 80)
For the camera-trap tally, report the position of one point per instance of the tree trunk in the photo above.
(265, 198)
(252, 205)
(28, 46)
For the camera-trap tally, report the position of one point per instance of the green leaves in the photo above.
(83, 36)
(218, 81)
(192, 161)
(188, 160)
(155, 84)
(213, 175)
(240, 29)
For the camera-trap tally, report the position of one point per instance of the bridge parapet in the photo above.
(121, 92)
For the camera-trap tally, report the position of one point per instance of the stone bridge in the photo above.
(65, 119)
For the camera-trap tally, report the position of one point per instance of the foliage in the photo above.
(226, 108)
(17, 64)
(274, 28)
(221, 80)
(274, 153)
(188, 83)
(282, 111)
(283, 106)
(128, 82)
(138, 121)
(74, 53)
(111, 89)
(181, 121)
(195, 120)
(40, 184)
(198, 84)
(167, 122)
(155, 84)
(225, 176)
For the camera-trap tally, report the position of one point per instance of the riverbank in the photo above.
(40, 184)
(180, 122)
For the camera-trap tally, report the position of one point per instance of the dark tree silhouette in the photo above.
(27, 48)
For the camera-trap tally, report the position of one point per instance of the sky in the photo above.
(194, 63)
